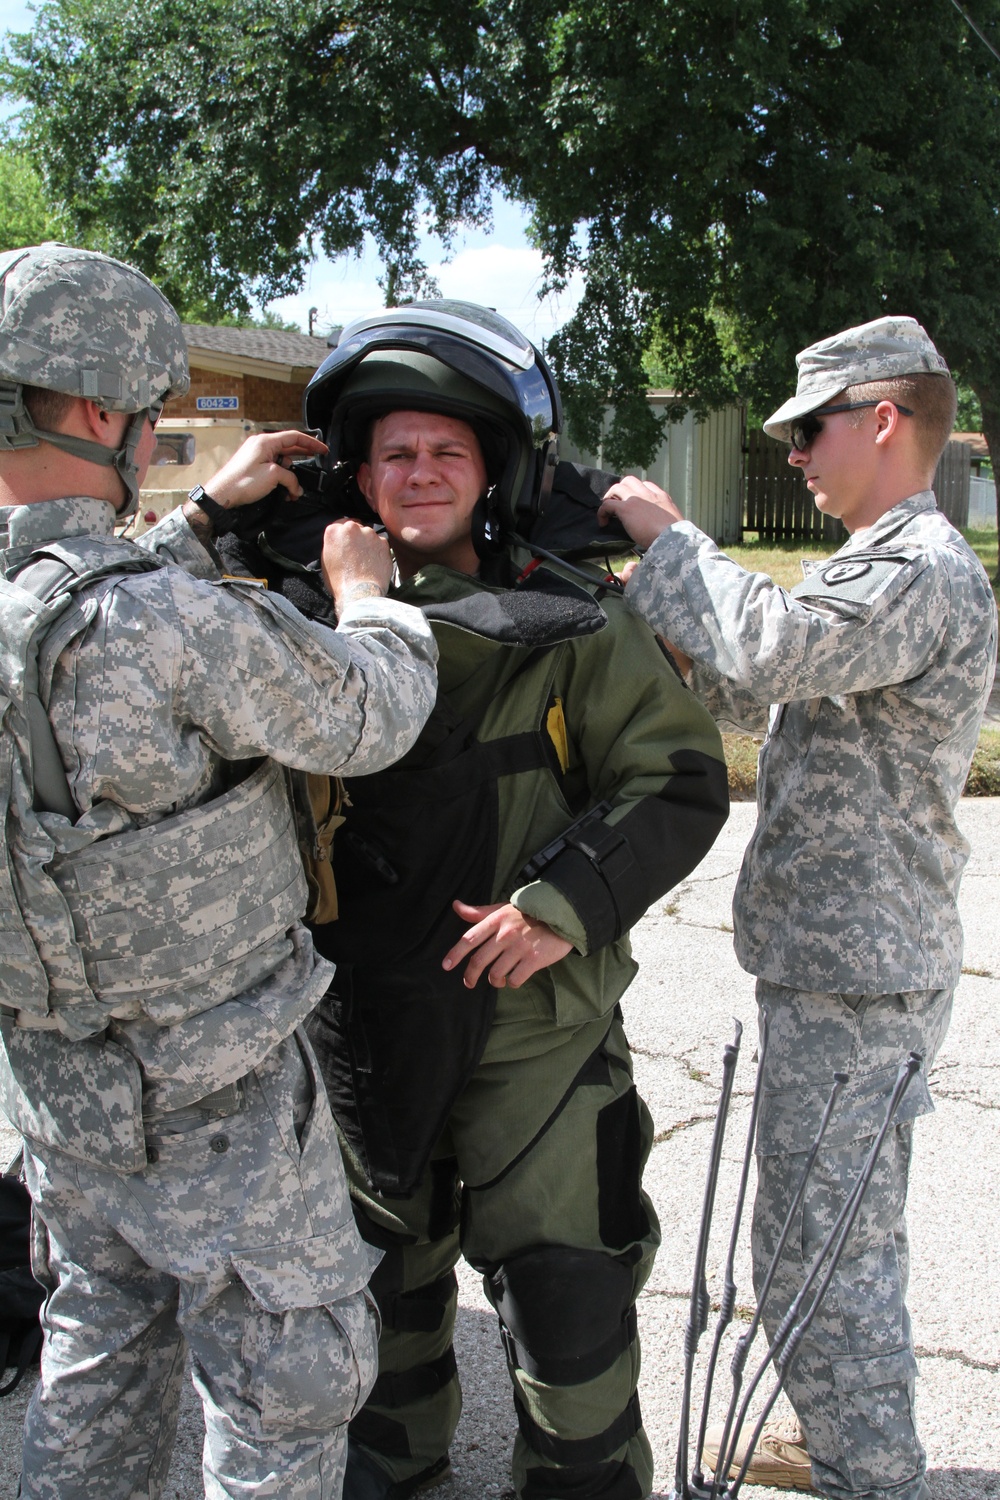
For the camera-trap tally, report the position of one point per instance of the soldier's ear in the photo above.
(105, 427)
(887, 421)
(363, 479)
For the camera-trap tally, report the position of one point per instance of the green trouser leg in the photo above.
(565, 1237)
(410, 1417)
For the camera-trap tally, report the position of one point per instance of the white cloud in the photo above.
(507, 277)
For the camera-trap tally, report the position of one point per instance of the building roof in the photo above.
(269, 353)
(975, 441)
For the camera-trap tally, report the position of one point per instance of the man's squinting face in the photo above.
(423, 475)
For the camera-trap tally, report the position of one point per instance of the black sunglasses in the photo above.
(808, 428)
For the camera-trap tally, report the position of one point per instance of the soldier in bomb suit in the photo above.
(565, 781)
(870, 677)
(155, 973)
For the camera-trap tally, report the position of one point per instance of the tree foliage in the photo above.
(27, 217)
(733, 178)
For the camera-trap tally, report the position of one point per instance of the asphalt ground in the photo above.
(679, 1015)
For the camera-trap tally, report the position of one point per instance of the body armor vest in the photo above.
(102, 920)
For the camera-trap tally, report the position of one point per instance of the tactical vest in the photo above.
(104, 920)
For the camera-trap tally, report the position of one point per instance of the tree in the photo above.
(734, 178)
(26, 214)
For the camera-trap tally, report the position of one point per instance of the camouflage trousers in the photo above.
(565, 1238)
(237, 1242)
(852, 1383)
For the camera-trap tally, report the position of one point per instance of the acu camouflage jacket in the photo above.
(877, 668)
(158, 683)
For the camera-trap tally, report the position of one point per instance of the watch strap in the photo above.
(222, 519)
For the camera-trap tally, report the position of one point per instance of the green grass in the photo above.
(781, 561)
(742, 751)
(984, 777)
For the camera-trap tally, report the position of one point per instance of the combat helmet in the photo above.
(85, 325)
(461, 360)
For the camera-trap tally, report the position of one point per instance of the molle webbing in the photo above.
(158, 908)
(41, 965)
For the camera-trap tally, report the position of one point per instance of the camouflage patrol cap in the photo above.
(880, 350)
(86, 325)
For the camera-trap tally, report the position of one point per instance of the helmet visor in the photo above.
(479, 325)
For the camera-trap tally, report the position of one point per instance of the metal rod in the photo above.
(699, 1304)
(731, 1429)
(790, 1333)
(727, 1302)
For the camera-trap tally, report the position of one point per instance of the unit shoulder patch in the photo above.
(854, 580)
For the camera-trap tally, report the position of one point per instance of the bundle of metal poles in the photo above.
(689, 1482)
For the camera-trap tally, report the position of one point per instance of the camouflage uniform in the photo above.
(878, 666)
(234, 1230)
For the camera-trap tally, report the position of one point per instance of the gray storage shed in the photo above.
(699, 464)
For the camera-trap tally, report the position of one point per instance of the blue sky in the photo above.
(498, 268)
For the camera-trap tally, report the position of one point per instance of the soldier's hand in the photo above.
(641, 507)
(502, 940)
(261, 464)
(356, 562)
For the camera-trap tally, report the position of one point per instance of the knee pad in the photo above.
(565, 1314)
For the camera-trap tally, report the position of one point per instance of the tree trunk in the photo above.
(989, 401)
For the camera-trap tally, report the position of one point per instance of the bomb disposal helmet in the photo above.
(85, 325)
(460, 360)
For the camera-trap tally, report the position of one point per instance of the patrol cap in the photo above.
(880, 350)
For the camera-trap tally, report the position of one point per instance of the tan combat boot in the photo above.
(779, 1460)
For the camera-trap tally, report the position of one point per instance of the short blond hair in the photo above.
(932, 399)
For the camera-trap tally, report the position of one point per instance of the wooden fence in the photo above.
(951, 483)
(780, 508)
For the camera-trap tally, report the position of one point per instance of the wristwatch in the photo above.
(220, 517)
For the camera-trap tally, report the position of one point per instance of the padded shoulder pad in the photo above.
(856, 579)
(516, 618)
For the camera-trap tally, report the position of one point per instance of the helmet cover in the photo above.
(87, 326)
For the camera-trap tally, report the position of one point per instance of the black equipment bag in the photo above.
(20, 1294)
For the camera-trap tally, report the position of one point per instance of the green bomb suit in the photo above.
(533, 1157)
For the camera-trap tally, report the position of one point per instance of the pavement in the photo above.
(679, 1015)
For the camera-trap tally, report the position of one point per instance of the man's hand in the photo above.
(503, 940)
(642, 508)
(260, 464)
(356, 562)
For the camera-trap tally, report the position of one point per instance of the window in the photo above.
(173, 448)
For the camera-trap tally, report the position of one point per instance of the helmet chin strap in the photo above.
(487, 532)
(19, 431)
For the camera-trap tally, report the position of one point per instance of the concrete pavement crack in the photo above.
(941, 1093)
(742, 1313)
(992, 1367)
(672, 1130)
